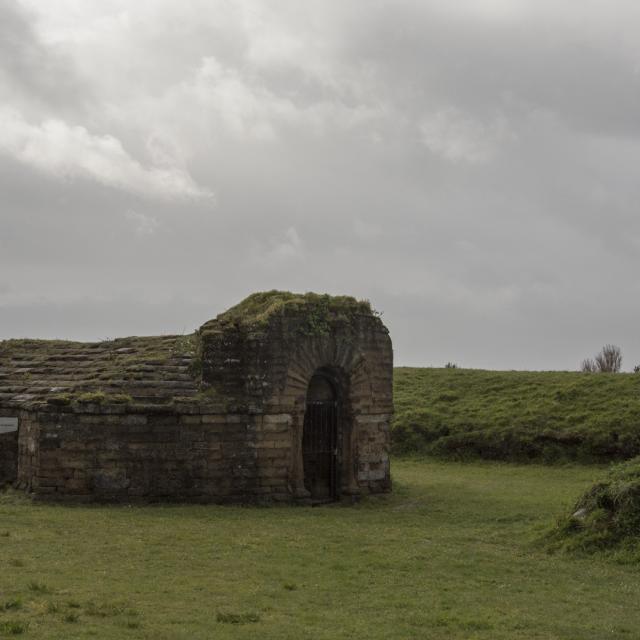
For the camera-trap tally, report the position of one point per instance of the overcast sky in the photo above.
(471, 167)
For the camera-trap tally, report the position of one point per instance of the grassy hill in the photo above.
(517, 415)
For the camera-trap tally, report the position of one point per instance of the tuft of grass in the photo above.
(71, 618)
(38, 587)
(237, 618)
(13, 627)
(108, 609)
(290, 586)
(92, 397)
(118, 398)
(185, 345)
(516, 416)
(53, 607)
(12, 605)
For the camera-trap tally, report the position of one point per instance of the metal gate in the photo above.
(320, 450)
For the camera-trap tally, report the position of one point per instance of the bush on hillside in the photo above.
(609, 360)
(607, 516)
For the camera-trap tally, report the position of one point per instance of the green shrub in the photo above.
(606, 516)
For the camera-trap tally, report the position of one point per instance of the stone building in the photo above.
(284, 397)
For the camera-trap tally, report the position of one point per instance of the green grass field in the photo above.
(449, 554)
(517, 415)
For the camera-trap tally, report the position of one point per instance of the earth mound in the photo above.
(607, 515)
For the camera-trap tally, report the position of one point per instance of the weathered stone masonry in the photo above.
(220, 416)
(8, 452)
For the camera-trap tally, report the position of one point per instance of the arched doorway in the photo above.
(320, 439)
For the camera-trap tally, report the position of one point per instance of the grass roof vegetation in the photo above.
(320, 311)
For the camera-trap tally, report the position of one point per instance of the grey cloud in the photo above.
(40, 75)
(475, 178)
(539, 62)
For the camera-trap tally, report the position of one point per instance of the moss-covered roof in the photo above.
(145, 370)
(260, 308)
(151, 370)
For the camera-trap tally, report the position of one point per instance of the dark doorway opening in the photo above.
(320, 442)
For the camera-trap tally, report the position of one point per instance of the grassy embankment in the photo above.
(447, 555)
(606, 517)
(517, 415)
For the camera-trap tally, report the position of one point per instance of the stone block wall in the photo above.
(372, 452)
(270, 370)
(161, 456)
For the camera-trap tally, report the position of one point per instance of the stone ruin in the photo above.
(282, 398)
